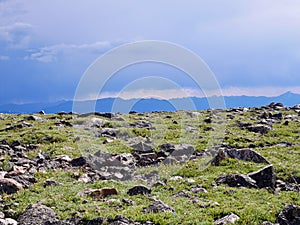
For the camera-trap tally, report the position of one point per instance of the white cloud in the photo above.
(16, 35)
(190, 92)
(4, 57)
(51, 53)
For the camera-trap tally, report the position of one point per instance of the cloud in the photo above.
(4, 57)
(16, 35)
(51, 53)
(190, 92)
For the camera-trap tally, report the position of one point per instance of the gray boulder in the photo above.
(158, 206)
(262, 129)
(37, 214)
(290, 215)
(9, 186)
(236, 180)
(139, 190)
(231, 218)
(264, 177)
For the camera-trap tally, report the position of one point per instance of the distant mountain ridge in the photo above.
(151, 104)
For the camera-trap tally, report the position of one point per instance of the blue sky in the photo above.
(252, 46)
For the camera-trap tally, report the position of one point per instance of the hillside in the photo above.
(149, 104)
(183, 167)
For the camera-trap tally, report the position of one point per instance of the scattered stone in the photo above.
(139, 190)
(262, 129)
(80, 161)
(128, 201)
(236, 180)
(37, 214)
(63, 158)
(197, 188)
(50, 182)
(264, 177)
(142, 147)
(268, 223)
(9, 186)
(158, 206)
(84, 178)
(42, 112)
(231, 218)
(95, 123)
(107, 132)
(207, 120)
(183, 150)
(290, 215)
(141, 124)
(240, 154)
(26, 180)
(180, 194)
(8, 221)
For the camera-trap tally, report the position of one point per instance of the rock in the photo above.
(37, 214)
(167, 147)
(208, 120)
(26, 180)
(180, 194)
(183, 150)
(63, 158)
(139, 190)
(84, 178)
(80, 161)
(240, 154)
(279, 104)
(141, 124)
(94, 123)
(158, 206)
(264, 177)
(268, 223)
(290, 215)
(9, 186)
(107, 132)
(197, 188)
(142, 147)
(50, 182)
(231, 218)
(125, 158)
(34, 118)
(8, 221)
(236, 180)
(127, 201)
(263, 129)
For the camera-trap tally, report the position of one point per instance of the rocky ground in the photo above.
(204, 167)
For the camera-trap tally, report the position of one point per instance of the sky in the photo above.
(251, 46)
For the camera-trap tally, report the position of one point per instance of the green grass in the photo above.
(253, 205)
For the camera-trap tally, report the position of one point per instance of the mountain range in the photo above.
(150, 104)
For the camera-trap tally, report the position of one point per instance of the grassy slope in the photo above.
(252, 205)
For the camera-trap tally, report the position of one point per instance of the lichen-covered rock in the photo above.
(139, 190)
(290, 215)
(37, 214)
(236, 180)
(9, 186)
(229, 219)
(158, 206)
(264, 177)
